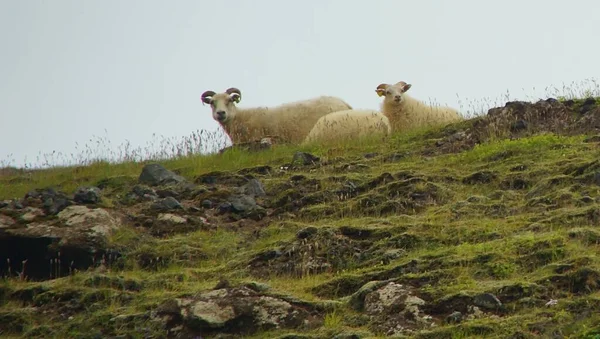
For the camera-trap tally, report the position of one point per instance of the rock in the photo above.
(165, 193)
(143, 191)
(254, 188)
(166, 204)
(238, 310)
(207, 204)
(394, 310)
(242, 206)
(6, 221)
(31, 213)
(171, 218)
(78, 236)
(588, 105)
(242, 203)
(168, 224)
(156, 175)
(304, 159)
(4, 203)
(483, 177)
(394, 157)
(50, 200)
(87, 195)
(487, 301)
(357, 300)
(307, 232)
(519, 125)
(454, 318)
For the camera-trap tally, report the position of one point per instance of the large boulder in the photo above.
(239, 310)
(75, 239)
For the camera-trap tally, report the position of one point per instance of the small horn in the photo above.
(381, 89)
(234, 93)
(403, 85)
(207, 96)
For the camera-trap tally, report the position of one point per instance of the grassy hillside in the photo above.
(491, 223)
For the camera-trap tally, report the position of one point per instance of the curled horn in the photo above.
(381, 89)
(403, 85)
(234, 93)
(207, 96)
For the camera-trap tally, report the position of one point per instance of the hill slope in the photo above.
(485, 228)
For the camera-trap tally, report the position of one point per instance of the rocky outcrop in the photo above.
(239, 310)
(40, 247)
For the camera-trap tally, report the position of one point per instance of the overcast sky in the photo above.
(71, 69)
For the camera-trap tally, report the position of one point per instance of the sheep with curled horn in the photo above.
(289, 122)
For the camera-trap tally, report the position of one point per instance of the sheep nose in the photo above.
(397, 98)
(221, 115)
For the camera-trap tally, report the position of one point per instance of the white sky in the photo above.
(73, 69)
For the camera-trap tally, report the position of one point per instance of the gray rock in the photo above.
(83, 231)
(52, 201)
(166, 204)
(307, 232)
(156, 174)
(31, 213)
(6, 221)
(222, 309)
(242, 203)
(304, 159)
(87, 195)
(254, 188)
(454, 318)
(487, 301)
(357, 300)
(207, 204)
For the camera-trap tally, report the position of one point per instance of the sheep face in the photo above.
(222, 104)
(393, 93)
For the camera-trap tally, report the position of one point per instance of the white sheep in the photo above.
(289, 122)
(349, 124)
(406, 112)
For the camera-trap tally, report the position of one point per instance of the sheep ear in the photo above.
(406, 87)
(381, 89)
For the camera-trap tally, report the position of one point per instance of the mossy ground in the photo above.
(516, 218)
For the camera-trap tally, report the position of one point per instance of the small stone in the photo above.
(304, 159)
(166, 204)
(31, 213)
(6, 221)
(519, 125)
(454, 318)
(306, 232)
(171, 218)
(87, 195)
(156, 174)
(487, 301)
(207, 204)
(225, 207)
(254, 188)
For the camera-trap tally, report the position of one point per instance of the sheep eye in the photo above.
(388, 92)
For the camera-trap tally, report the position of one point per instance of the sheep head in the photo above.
(222, 104)
(393, 92)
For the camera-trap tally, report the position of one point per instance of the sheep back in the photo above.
(349, 124)
(413, 113)
(290, 122)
